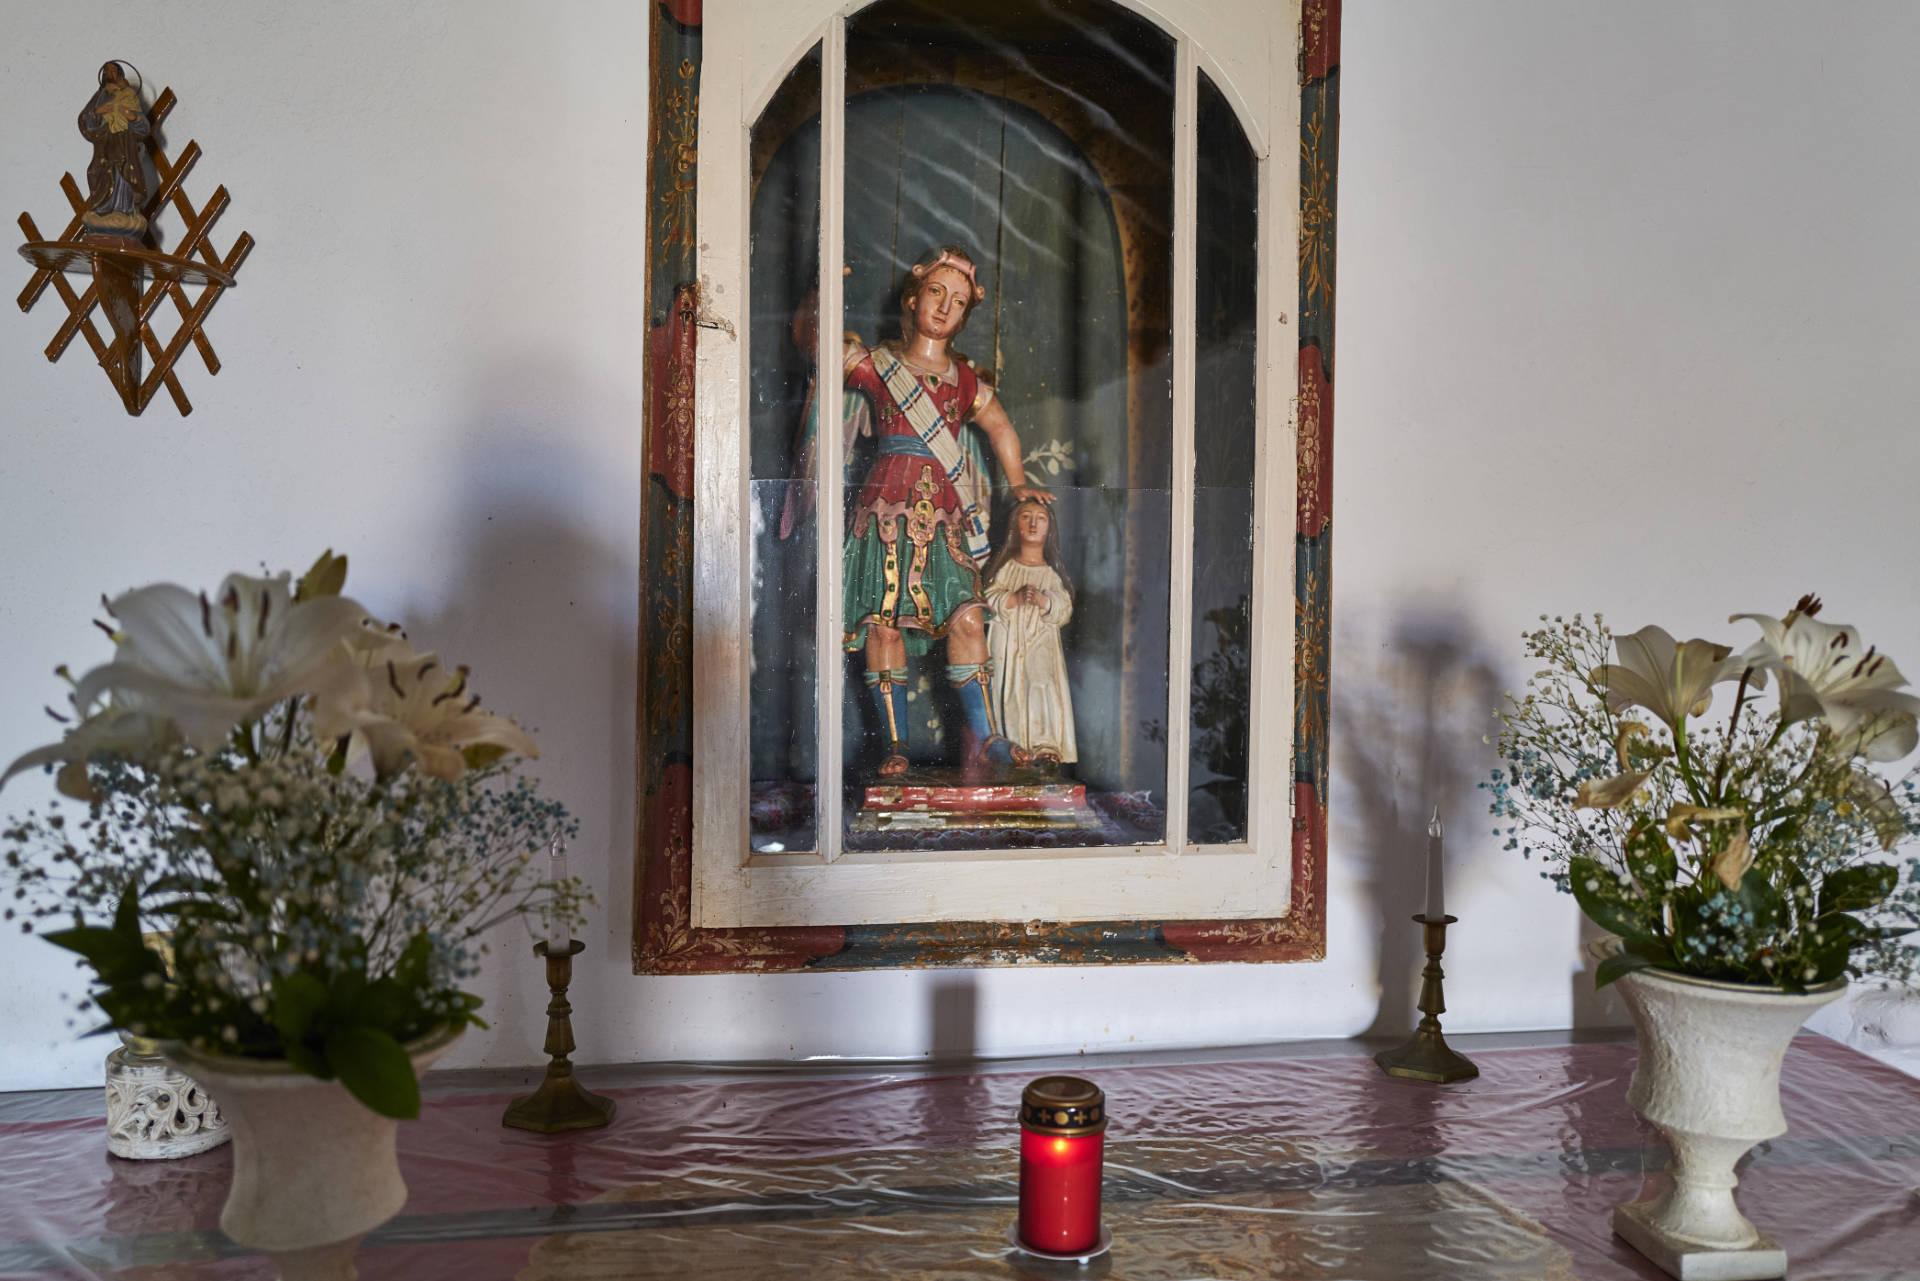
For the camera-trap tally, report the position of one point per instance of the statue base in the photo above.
(936, 800)
(120, 230)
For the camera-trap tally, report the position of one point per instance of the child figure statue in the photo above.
(917, 532)
(1032, 599)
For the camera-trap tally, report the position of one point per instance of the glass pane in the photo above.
(783, 277)
(1009, 168)
(1226, 265)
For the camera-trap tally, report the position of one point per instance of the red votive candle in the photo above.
(1063, 1122)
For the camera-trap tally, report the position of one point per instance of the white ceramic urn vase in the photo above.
(314, 1170)
(1708, 1077)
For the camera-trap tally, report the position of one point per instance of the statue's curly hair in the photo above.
(940, 256)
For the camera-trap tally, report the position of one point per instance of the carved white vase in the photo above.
(153, 1112)
(1708, 1076)
(314, 1170)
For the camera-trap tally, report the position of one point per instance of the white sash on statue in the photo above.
(968, 482)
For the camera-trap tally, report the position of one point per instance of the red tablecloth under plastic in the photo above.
(1266, 1167)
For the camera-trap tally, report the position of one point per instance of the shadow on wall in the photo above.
(955, 1018)
(1413, 716)
(1595, 1008)
(542, 607)
(1414, 707)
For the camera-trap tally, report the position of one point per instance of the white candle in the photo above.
(559, 936)
(1436, 871)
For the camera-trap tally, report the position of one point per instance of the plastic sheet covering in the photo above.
(1256, 1165)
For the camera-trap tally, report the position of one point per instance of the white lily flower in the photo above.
(131, 732)
(1731, 863)
(1609, 793)
(410, 707)
(1682, 817)
(1669, 679)
(209, 665)
(1826, 673)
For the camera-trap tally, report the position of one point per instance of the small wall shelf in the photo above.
(130, 280)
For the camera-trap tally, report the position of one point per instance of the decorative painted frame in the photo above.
(665, 938)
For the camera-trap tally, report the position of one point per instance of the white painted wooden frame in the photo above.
(1249, 48)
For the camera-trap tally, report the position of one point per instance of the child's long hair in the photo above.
(1009, 546)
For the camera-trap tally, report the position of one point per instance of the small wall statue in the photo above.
(116, 124)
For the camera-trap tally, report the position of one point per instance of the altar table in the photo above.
(1274, 1162)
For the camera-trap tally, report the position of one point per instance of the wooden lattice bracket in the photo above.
(129, 281)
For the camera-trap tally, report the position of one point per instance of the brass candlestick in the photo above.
(1428, 1057)
(561, 1102)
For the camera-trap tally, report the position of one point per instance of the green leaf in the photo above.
(297, 1001)
(115, 958)
(1605, 904)
(126, 917)
(343, 997)
(1758, 895)
(481, 755)
(1616, 965)
(311, 1062)
(388, 1006)
(1687, 918)
(1828, 956)
(119, 1005)
(1854, 889)
(1851, 928)
(326, 577)
(102, 947)
(1655, 951)
(375, 1069)
(413, 970)
(465, 1003)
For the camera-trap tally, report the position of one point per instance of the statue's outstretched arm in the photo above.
(1005, 441)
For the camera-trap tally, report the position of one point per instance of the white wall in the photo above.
(1625, 308)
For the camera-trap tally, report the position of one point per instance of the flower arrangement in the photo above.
(317, 823)
(1756, 849)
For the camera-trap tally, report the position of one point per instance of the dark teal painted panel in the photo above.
(1312, 562)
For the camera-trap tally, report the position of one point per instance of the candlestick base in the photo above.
(561, 1103)
(1427, 1056)
(1100, 1246)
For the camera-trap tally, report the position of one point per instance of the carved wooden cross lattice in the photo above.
(124, 273)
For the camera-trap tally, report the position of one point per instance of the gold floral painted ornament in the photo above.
(1757, 846)
(322, 821)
